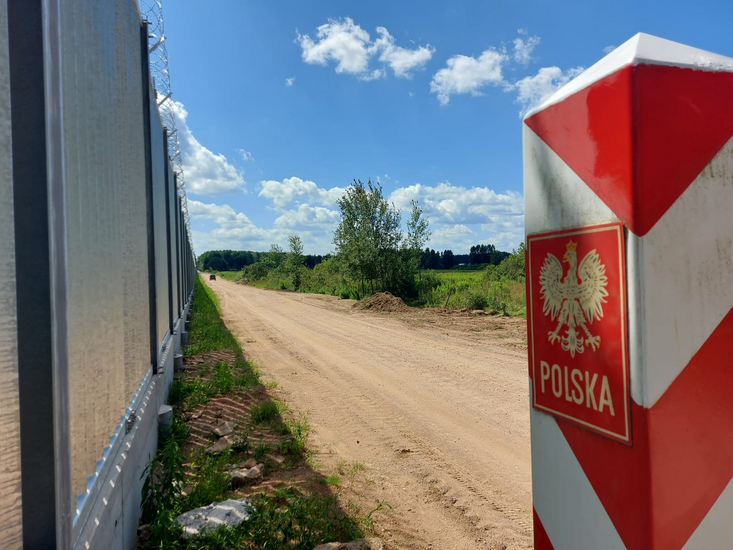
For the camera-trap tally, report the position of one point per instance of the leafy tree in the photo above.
(459, 259)
(294, 260)
(234, 260)
(370, 243)
(215, 263)
(510, 269)
(274, 258)
(312, 260)
(418, 232)
(448, 259)
(481, 254)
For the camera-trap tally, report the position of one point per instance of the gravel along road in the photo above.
(435, 405)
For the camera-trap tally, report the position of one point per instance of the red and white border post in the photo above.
(628, 180)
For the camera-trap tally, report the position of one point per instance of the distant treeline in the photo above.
(480, 254)
(235, 260)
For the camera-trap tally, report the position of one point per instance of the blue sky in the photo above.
(281, 104)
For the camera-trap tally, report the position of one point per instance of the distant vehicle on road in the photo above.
(212, 277)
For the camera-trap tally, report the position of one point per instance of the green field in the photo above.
(455, 289)
(460, 275)
(228, 275)
(460, 288)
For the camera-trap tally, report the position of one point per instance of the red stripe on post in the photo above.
(640, 136)
(682, 458)
(541, 540)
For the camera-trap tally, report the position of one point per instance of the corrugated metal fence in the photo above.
(96, 271)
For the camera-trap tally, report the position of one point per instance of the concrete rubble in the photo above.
(224, 443)
(244, 476)
(361, 544)
(224, 428)
(213, 516)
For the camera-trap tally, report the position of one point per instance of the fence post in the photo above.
(628, 199)
(40, 262)
(149, 203)
(169, 188)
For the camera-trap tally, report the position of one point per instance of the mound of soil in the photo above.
(382, 301)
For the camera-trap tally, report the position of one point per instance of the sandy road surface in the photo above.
(452, 390)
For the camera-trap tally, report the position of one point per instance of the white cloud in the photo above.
(523, 48)
(298, 190)
(246, 155)
(459, 217)
(290, 81)
(608, 49)
(372, 75)
(457, 237)
(533, 90)
(340, 41)
(234, 230)
(465, 74)
(352, 49)
(400, 60)
(470, 75)
(456, 213)
(307, 216)
(206, 172)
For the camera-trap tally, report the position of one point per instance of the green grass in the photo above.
(188, 393)
(265, 412)
(228, 275)
(457, 289)
(334, 480)
(467, 268)
(207, 331)
(460, 275)
(287, 518)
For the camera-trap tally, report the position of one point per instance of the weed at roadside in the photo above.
(267, 412)
(210, 479)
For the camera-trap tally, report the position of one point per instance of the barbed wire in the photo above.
(152, 12)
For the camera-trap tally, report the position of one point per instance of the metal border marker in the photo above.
(642, 139)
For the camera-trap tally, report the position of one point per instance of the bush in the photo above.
(477, 300)
(511, 268)
(499, 297)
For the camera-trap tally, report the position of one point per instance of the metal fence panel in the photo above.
(173, 208)
(91, 219)
(179, 255)
(106, 223)
(159, 215)
(10, 491)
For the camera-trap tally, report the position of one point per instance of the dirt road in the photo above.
(434, 405)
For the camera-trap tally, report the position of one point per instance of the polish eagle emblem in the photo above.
(576, 300)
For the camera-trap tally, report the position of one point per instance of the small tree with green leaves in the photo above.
(370, 242)
(294, 260)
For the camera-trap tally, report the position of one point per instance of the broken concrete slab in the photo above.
(224, 443)
(224, 428)
(244, 476)
(215, 515)
(361, 544)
